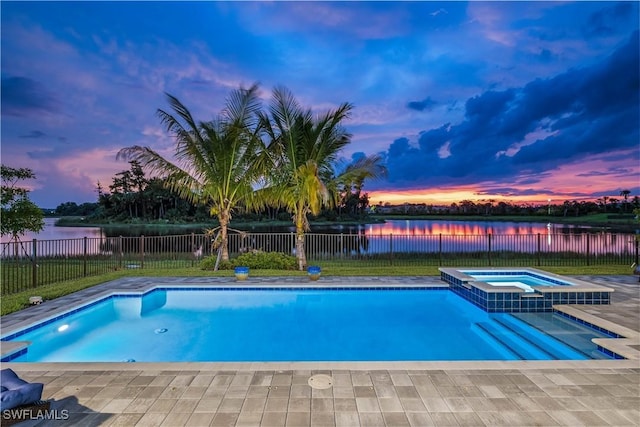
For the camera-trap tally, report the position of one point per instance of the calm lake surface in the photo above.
(391, 236)
(396, 227)
(51, 232)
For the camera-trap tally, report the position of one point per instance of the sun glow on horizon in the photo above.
(444, 197)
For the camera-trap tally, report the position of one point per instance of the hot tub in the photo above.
(521, 289)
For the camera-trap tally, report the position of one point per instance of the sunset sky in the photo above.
(517, 101)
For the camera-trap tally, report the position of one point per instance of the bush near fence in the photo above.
(26, 265)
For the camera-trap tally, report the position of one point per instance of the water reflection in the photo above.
(467, 228)
(396, 227)
(476, 236)
(51, 232)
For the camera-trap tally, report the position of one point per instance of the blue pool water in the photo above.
(292, 325)
(518, 279)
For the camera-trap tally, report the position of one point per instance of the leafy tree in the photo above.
(302, 151)
(127, 189)
(73, 209)
(19, 214)
(215, 160)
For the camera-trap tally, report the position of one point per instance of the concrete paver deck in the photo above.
(544, 393)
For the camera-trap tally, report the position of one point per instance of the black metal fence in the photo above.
(26, 265)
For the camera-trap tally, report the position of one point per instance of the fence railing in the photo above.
(26, 265)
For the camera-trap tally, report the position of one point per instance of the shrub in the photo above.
(254, 260)
(209, 263)
(284, 216)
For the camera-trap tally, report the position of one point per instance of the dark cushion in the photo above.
(16, 391)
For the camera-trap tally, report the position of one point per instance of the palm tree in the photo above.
(214, 161)
(625, 194)
(350, 180)
(302, 150)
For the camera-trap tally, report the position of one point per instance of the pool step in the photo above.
(519, 345)
(543, 340)
(501, 347)
(571, 333)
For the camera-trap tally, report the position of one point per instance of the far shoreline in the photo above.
(623, 223)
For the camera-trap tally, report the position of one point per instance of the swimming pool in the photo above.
(291, 324)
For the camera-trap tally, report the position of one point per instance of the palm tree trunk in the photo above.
(300, 251)
(224, 223)
(302, 258)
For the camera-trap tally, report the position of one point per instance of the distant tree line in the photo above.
(132, 197)
(569, 208)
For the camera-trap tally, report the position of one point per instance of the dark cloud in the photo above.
(22, 96)
(605, 22)
(398, 148)
(50, 151)
(35, 134)
(509, 191)
(599, 108)
(426, 104)
(435, 138)
(594, 174)
(357, 156)
(532, 179)
(546, 55)
(588, 111)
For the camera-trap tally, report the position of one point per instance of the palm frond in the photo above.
(242, 107)
(366, 167)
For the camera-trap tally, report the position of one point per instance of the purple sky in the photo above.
(503, 100)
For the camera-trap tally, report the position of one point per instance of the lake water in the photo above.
(51, 232)
(397, 227)
(399, 236)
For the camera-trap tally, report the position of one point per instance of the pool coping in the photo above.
(477, 365)
(624, 346)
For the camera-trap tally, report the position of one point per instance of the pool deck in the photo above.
(544, 393)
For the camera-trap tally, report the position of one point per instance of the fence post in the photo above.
(538, 252)
(588, 248)
(489, 248)
(391, 248)
(142, 251)
(636, 238)
(121, 252)
(341, 246)
(84, 263)
(440, 249)
(193, 249)
(34, 264)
